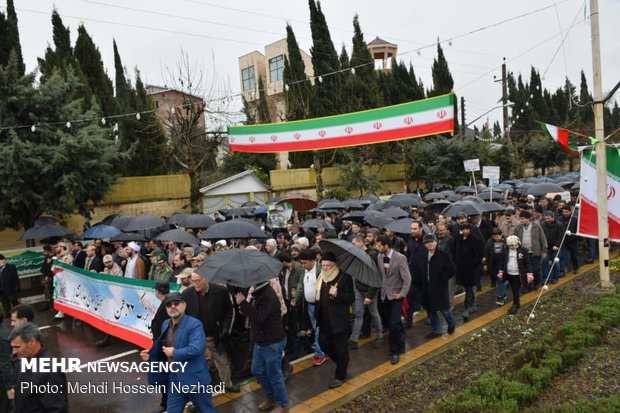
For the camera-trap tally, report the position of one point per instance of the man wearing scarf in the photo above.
(334, 295)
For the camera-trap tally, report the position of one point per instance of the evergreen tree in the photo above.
(326, 100)
(298, 92)
(122, 86)
(61, 56)
(16, 96)
(89, 60)
(364, 84)
(56, 170)
(586, 112)
(263, 114)
(442, 79)
(9, 33)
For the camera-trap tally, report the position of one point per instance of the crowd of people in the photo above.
(315, 308)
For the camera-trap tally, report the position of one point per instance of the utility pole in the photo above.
(505, 102)
(463, 126)
(600, 150)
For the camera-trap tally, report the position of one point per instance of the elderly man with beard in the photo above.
(181, 339)
(334, 295)
(135, 267)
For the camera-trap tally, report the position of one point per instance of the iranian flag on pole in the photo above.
(588, 213)
(560, 135)
(405, 121)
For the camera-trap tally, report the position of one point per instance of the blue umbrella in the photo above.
(100, 232)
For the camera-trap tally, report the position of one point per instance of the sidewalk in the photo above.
(307, 388)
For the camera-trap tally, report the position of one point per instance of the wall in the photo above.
(156, 195)
(304, 180)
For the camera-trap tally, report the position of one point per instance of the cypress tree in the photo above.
(9, 33)
(586, 112)
(263, 114)
(61, 56)
(89, 59)
(298, 93)
(326, 100)
(442, 79)
(364, 84)
(122, 87)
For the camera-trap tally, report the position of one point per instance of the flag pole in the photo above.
(601, 151)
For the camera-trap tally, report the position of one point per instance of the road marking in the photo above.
(117, 356)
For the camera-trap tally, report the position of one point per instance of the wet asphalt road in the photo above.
(67, 338)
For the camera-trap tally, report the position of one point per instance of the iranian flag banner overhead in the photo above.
(404, 121)
(588, 213)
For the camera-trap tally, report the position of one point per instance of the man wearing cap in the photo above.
(162, 289)
(533, 240)
(508, 224)
(554, 232)
(184, 279)
(110, 267)
(135, 267)
(160, 270)
(289, 278)
(9, 285)
(198, 260)
(396, 282)
(432, 271)
(181, 340)
(334, 295)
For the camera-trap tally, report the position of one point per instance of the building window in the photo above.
(276, 68)
(249, 78)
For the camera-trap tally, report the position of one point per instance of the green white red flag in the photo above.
(405, 121)
(588, 212)
(560, 135)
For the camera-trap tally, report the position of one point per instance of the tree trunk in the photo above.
(318, 169)
(195, 197)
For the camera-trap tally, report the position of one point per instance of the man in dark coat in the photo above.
(7, 381)
(431, 274)
(415, 248)
(554, 232)
(468, 261)
(93, 261)
(9, 285)
(334, 294)
(27, 344)
(570, 249)
(212, 304)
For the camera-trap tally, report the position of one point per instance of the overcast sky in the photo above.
(151, 34)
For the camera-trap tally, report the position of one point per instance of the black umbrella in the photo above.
(357, 216)
(239, 267)
(128, 236)
(250, 204)
(370, 197)
(391, 203)
(235, 228)
(454, 198)
(353, 261)
(44, 231)
(438, 205)
(492, 207)
(471, 198)
(377, 205)
(121, 221)
(178, 235)
(100, 231)
(316, 223)
(486, 196)
(402, 226)
(544, 188)
(240, 212)
(447, 192)
(197, 221)
(433, 195)
(144, 222)
(395, 212)
(108, 220)
(467, 190)
(462, 207)
(331, 206)
(377, 219)
(353, 204)
(176, 218)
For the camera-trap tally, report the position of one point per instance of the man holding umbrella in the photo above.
(334, 295)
